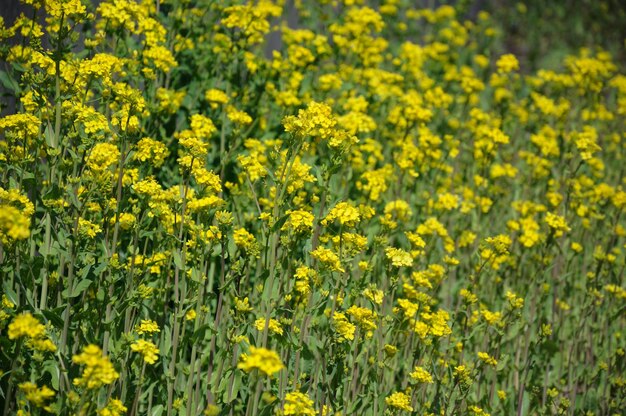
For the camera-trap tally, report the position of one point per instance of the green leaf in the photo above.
(51, 367)
(167, 339)
(101, 267)
(278, 224)
(178, 261)
(8, 82)
(48, 135)
(201, 332)
(54, 316)
(236, 387)
(157, 410)
(84, 272)
(78, 289)
(10, 293)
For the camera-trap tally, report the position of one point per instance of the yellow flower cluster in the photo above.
(215, 97)
(299, 221)
(298, 404)
(147, 349)
(400, 401)
(272, 324)
(266, 361)
(246, 241)
(487, 359)
(26, 325)
(251, 19)
(15, 213)
(399, 257)
(37, 396)
(151, 150)
(98, 370)
(420, 375)
(343, 327)
(147, 327)
(366, 318)
(103, 156)
(114, 407)
(345, 213)
(328, 258)
(316, 120)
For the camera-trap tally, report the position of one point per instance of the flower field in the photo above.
(306, 208)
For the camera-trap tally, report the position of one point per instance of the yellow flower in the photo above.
(98, 369)
(463, 374)
(399, 209)
(328, 258)
(374, 295)
(41, 344)
(420, 375)
(242, 305)
(515, 301)
(246, 241)
(576, 247)
(343, 327)
(364, 317)
(273, 325)
(499, 243)
(252, 19)
(15, 212)
(6, 303)
(114, 407)
(390, 350)
(160, 57)
(211, 410)
(477, 411)
(557, 223)
(26, 325)
(238, 116)
(376, 182)
(36, 395)
(507, 63)
(102, 156)
(408, 308)
(399, 400)
(398, 257)
(586, 142)
(170, 100)
(487, 359)
(215, 97)
(193, 144)
(149, 351)
(468, 296)
(446, 201)
(204, 204)
(298, 404)
(201, 126)
(299, 221)
(345, 213)
(87, 228)
(546, 330)
(190, 315)
(151, 150)
(266, 361)
(316, 120)
(492, 318)
(20, 126)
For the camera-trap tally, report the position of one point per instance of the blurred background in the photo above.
(539, 32)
